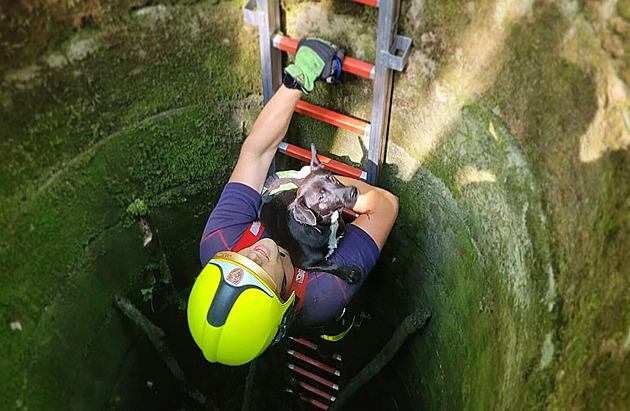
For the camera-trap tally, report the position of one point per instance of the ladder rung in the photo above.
(304, 342)
(313, 377)
(314, 362)
(314, 402)
(313, 346)
(332, 165)
(317, 391)
(332, 117)
(373, 3)
(350, 65)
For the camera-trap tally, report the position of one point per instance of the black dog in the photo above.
(306, 221)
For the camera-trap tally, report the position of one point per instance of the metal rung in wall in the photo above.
(392, 52)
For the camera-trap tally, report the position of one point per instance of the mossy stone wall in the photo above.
(507, 147)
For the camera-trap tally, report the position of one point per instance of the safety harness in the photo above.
(283, 181)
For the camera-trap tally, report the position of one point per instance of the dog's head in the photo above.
(320, 194)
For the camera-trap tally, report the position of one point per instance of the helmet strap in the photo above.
(287, 320)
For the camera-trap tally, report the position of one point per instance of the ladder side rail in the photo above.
(270, 57)
(266, 15)
(383, 84)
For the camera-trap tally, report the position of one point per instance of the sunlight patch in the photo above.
(546, 352)
(471, 174)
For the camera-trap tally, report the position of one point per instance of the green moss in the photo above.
(77, 211)
(148, 115)
(446, 18)
(79, 146)
(552, 113)
(623, 8)
(147, 75)
(542, 107)
(138, 208)
(430, 251)
(501, 246)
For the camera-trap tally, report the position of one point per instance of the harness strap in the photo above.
(252, 234)
(300, 279)
(337, 337)
(283, 181)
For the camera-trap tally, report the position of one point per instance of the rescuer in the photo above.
(249, 292)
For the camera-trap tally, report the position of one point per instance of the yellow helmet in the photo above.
(233, 312)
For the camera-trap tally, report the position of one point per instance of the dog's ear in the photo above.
(315, 163)
(302, 213)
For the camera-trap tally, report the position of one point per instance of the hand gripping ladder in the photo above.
(392, 52)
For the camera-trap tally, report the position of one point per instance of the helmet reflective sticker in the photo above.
(248, 279)
(235, 276)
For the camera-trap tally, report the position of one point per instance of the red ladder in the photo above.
(316, 379)
(392, 52)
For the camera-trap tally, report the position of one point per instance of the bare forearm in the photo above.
(378, 209)
(263, 141)
(371, 198)
(272, 123)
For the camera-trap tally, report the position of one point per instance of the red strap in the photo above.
(300, 280)
(250, 236)
(300, 277)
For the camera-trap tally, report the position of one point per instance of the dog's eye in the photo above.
(282, 254)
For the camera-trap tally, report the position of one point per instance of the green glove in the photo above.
(315, 59)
